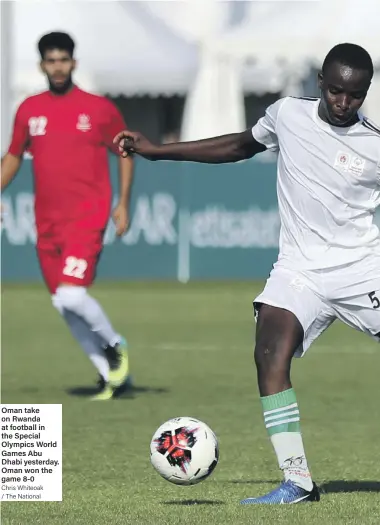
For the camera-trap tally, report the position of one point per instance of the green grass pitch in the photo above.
(191, 355)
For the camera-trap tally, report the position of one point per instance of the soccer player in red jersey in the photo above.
(69, 133)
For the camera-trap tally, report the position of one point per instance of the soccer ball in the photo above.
(184, 451)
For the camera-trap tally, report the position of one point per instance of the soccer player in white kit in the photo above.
(329, 262)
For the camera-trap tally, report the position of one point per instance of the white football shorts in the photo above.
(350, 293)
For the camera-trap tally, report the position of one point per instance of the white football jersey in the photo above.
(328, 184)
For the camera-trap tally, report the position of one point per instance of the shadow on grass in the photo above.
(127, 391)
(340, 486)
(190, 502)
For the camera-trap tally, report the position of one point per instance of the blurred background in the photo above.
(180, 70)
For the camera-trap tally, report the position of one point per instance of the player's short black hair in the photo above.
(350, 55)
(56, 40)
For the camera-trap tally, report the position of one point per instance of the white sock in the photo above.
(282, 421)
(87, 339)
(291, 458)
(77, 300)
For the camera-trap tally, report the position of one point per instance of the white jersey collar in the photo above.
(336, 129)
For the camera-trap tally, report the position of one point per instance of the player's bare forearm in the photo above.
(126, 167)
(120, 214)
(216, 150)
(10, 165)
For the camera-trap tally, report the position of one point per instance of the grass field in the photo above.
(191, 353)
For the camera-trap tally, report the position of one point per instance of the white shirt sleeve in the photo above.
(265, 129)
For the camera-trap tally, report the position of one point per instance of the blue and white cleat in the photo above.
(287, 493)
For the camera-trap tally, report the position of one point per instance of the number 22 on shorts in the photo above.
(75, 267)
(375, 299)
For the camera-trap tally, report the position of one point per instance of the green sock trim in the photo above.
(281, 412)
(282, 399)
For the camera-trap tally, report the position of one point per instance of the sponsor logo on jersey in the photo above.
(84, 123)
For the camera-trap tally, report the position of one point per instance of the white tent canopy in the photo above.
(294, 31)
(128, 47)
(284, 39)
(122, 47)
(288, 37)
(188, 47)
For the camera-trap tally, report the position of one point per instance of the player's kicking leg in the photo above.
(281, 335)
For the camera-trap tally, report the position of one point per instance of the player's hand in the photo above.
(120, 216)
(130, 142)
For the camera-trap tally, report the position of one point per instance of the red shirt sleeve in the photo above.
(114, 123)
(20, 136)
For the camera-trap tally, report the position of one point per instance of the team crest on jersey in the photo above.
(37, 126)
(342, 160)
(84, 123)
(352, 163)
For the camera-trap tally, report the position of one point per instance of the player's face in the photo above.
(343, 91)
(58, 66)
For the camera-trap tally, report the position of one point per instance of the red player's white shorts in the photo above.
(70, 254)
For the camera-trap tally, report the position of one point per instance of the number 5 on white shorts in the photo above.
(375, 299)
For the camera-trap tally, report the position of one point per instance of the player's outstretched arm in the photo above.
(10, 164)
(216, 150)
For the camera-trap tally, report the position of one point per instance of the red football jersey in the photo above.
(69, 137)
